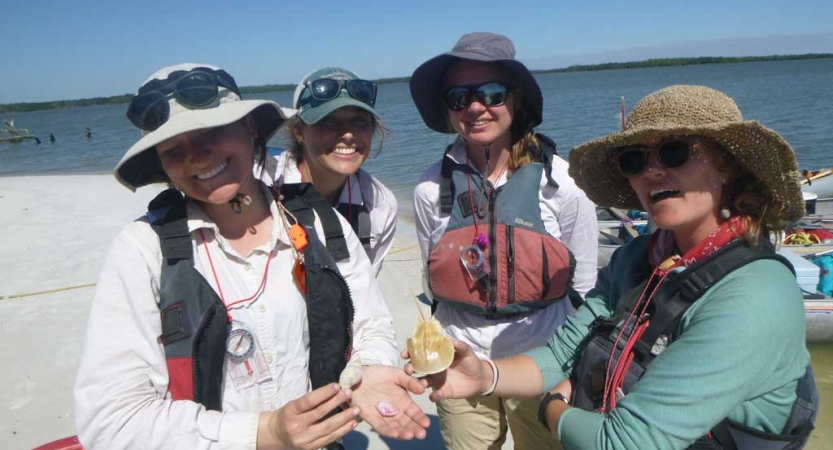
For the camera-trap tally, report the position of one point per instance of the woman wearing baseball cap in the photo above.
(330, 138)
(217, 310)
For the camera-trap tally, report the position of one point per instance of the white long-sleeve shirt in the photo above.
(366, 191)
(568, 215)
(120, 393)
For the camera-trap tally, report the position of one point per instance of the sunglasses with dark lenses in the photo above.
(458, 98)
(195, 88)
(671, 154)
(325, 89)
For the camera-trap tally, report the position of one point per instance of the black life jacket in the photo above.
(670, 301)
(358, 215)
(525, 267)
(195, 321)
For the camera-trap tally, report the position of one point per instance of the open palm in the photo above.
(391, 385)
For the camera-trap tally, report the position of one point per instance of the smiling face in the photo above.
(684, 199)
(210, 165)
(478, 123)
(337, 145)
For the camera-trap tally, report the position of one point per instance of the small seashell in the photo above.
(351, 375)
(386, 409)
(430, 349)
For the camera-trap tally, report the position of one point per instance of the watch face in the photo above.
(240, 344)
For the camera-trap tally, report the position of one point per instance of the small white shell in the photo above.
(430, 349)
(351, 375)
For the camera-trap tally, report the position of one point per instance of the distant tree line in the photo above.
(657, 62)
(660, 62)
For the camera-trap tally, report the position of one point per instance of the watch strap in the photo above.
(545, 402)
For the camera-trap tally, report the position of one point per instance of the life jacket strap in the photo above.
(301, 199)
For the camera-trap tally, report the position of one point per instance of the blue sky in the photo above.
(66, 50)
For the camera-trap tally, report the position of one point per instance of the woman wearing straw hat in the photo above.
(330, 139)
(217, 310)
(506, 235)
(693, 335)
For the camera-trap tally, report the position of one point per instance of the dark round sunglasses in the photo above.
(671, 154)
(195, 88)
(326, 89)
(493, 93)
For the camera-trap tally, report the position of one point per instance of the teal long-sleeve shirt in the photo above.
(740, 352)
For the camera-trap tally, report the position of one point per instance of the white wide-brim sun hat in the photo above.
(140, 165)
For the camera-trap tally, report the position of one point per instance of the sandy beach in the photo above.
(56, 233)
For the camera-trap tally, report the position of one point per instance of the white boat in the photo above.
(819, 183)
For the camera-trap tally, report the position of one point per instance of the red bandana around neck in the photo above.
(663, 245)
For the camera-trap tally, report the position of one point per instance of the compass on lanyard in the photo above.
(240, 344)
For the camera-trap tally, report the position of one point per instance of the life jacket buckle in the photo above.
(660, 345)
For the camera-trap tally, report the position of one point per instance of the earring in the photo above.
(725, 214)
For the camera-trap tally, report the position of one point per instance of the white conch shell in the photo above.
(430, 349)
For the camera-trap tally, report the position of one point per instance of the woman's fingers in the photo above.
(314, 399)
(334, 428)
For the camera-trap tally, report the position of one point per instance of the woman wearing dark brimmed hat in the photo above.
(329, 141)
(505, 233)
(694, 337)
(203, 330)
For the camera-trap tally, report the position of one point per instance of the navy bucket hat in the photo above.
(427, 79)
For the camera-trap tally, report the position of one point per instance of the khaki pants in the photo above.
(480, 423)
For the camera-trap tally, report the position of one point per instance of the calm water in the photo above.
(793, 97)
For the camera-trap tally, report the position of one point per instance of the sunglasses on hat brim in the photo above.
(493, 93)
(195, 88)
(325, 89)
(632, 160)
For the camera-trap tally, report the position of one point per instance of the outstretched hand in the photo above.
(464, 378)
(391, 385)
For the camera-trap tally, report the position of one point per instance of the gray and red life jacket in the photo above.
(528, 269)
(670, 301)
(194, 319)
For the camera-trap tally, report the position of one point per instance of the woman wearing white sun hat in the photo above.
(217, 310)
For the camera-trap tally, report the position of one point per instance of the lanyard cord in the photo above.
(485, 179)
(615, 375)
(220, 288)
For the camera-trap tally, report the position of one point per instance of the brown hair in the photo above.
(293, 131)
(744, 195)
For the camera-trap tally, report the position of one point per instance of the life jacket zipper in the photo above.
(510, 262)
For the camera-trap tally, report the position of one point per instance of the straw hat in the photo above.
(682, 110)
(427, 79)
(140, 165)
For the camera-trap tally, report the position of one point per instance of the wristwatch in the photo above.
(545, 402)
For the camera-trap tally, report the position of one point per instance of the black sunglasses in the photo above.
(633, 160)
(326, 89)
(493, 93)
(196, 88)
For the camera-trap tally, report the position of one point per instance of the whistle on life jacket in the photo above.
(298, 236)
